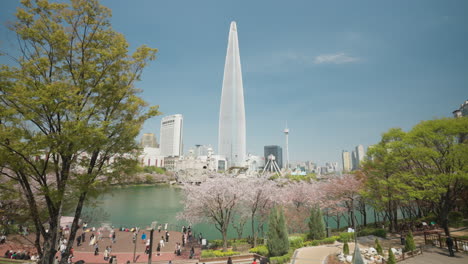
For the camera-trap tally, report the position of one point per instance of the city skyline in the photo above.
(340, 74)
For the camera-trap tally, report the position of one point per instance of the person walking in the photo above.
(167, 236)
(449, 242)
(83, 237)
(143, 237)
(96, 248)
(192, 253)
(106, 254)
(229, 261)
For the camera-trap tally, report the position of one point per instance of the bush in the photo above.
(282, 259)
(409, 243)
(373, 231)
(378, 247)
(296, 242)
(391, 257)
(218, 253)
(346, 248)
(312, 243)
(328, 240)
(345, 237)
(217, 243)
(455, 219)
(261, 250)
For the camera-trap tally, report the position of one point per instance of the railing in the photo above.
(438, 239)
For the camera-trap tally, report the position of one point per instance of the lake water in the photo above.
(141, 205)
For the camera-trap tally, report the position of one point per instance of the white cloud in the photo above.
(337, 58)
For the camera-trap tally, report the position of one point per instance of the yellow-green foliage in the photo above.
(261, 250)
(218, 253)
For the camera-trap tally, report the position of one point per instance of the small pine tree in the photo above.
(278, 242)
(316, 224)
(346, 248)
(391, 257)
(409, 244)
(378, 247)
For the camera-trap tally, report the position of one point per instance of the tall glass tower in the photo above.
(231, 137)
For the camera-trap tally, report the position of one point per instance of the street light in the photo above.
(150, 253)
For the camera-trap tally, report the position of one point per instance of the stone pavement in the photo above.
(315, 255)
(434, 255)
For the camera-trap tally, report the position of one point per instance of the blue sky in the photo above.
(339, 72)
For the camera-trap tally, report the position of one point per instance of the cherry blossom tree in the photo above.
(215, 201)
(344, 190)
(258, 196)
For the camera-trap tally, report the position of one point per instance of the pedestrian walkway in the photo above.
(435, 255)
(314, 255)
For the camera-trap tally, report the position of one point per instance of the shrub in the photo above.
(218, 253)
(346, 248)
(391, 257)
(373, 231)
(282, 259)
(409, 243)
(261, 250)
(328, 240)
(296, 242)
(312, 243)
(278, 242)
(380, 233)
(378, 247)
(316, 224)
(345, 237)
(455, 219)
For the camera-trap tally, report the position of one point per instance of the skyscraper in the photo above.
(171, 135)
(276, 151)
(360, 154)
(346, 161)
(148, 140)
(354, 160)
(231, 137)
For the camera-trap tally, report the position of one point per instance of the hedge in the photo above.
(218, 253)
(261, 250)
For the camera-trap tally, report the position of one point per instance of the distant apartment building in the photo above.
(360, 154)
(354, 160)
(462, 111)
(171, 136)
(148, 140)
(276, 151)
(347, 163)
(151, 157)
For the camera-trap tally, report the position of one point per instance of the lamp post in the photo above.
(150, 253)
(135, 235)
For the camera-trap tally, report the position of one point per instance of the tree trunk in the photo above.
(224, 233)
(74, 228)
(253, 231)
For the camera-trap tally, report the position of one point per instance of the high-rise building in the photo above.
(171, 135)
(354, 160)
(148, 140)
(360, 154)
(276, 151)
(231, 137)
(346, 157)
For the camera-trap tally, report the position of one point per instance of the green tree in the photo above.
(67, 108)
(391, 257)
(437, 156)
(409, 243)
(378, 247)
(346, 248)
(316, 224)
(278, 242)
